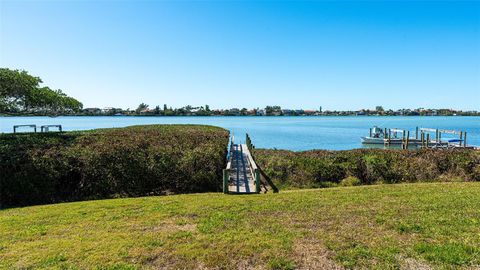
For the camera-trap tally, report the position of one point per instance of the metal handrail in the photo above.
(45, 128)
(17, 126)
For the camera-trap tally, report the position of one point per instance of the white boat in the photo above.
(377, 136)
(374, 140)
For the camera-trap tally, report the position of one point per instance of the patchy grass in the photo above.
(433, 225)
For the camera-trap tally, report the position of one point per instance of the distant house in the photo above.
(108, 109)
(92, 110)
(234, 111)
(111, 110)
(360, 113)
(287, 112)
(309, 112)
(261, 112)
(299, 112)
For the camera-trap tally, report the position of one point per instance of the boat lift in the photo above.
(438, 143)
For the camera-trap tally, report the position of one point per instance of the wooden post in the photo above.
(370, 132)
(465, 139)
(257, 181)
(461, 137)
(416, 133)
(225, 181)
(436, 135)
(408, 140)
(428, 140)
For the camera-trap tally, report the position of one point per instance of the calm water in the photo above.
(294, 133)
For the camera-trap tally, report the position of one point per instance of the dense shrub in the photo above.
(134, 161)
(320, 168)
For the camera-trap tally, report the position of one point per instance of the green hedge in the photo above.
(367, 166)
(134, 161)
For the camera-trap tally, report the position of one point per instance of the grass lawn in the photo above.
(408, 226)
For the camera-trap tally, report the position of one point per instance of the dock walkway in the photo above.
(241, 179)
(241, 175)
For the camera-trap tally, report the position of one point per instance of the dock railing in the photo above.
(44, 128)
(226, 171)
(252, 166)
(259, 174)
(15, 127)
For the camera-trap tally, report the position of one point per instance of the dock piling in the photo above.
(226, 173)
(408, 140)
(461, 137)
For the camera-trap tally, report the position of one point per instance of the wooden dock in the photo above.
(242, 175)
(424, 138)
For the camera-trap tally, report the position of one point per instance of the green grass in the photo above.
(380, 227)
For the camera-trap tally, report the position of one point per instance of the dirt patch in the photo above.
(412, 264)
(312, 254)
(169, 225)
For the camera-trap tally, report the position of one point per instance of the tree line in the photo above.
(21, 93)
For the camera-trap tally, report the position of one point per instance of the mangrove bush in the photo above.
(38, 168)
(319, 168)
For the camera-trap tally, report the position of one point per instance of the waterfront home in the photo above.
(261, 112)
(92, 110)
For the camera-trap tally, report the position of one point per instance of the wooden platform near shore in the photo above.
(241, 178)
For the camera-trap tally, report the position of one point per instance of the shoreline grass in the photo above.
(433, 225)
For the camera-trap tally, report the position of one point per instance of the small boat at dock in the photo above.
(379, 136)
(423, 137)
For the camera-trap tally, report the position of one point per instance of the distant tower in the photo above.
(320, 109)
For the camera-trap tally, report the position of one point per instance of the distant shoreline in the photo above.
(269, 116)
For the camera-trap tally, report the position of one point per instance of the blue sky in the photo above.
(339, 55)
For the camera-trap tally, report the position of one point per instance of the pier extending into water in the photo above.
(242, 175)
(424, 138)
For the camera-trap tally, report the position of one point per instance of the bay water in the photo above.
(281, 132)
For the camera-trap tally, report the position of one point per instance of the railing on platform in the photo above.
(258, 171)
(19, 126)
(253, 166)
(254, 170)
(44, 128)
(226, 171)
